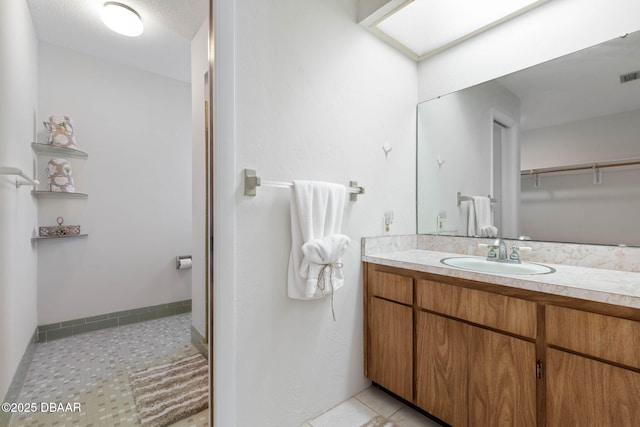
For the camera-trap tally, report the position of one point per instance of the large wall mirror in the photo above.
(555, 147)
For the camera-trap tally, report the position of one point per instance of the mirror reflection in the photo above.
(548, 153)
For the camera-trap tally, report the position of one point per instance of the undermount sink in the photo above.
(482, 265)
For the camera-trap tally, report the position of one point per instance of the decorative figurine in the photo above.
(60, 176)
(61, 132)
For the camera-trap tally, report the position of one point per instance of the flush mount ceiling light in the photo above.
(122, 19)
(422, 28)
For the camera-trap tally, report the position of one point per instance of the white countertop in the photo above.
(593, 284)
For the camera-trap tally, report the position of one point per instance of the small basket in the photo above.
(59, 230)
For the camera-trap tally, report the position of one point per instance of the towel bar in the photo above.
(252, 182)
(5, 170)
(462, 198)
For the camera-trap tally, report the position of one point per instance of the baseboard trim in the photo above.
(19, 378)
(199, 342)
(70, 328)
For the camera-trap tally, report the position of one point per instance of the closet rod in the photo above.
(584, 166)
(6, 170)
(252, 182)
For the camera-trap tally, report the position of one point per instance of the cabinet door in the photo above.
(390, 361)
(582, 392)
(502, 380)
(441, 367)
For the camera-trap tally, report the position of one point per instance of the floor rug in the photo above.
(378, 421)
(169, 392)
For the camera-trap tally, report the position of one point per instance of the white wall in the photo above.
(597, 139)
(136, 127)
(554, 29)
(608, 210)
(225, 182)
(303, 92)
(18, 258)
(316, 96)
(458, 128)
(199, 66)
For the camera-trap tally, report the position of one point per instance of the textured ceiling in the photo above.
(164, 47)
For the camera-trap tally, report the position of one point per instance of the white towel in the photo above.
(325, 266)
(316, 212)
(480, 222)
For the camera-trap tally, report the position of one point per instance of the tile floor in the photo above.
(93, 369)
(367, 405)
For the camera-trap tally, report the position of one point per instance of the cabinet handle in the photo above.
(539, 370)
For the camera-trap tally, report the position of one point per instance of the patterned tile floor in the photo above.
(92, 369)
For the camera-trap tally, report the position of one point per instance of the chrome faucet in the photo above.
(502, 250)
(501, 255)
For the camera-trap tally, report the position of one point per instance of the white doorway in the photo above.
(505, 173)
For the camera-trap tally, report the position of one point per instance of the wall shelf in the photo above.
(58, 237)
(58, 194)
(52, 149)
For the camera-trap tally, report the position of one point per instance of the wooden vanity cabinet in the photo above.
(467, 374)
(502, 380)
(477, 355)
(592, 369)
(441, 380)
(583, 392)
(389, 360)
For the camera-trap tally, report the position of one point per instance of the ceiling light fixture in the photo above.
(422, 28)
(122, 19)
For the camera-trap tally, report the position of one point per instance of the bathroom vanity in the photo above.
(479, 349)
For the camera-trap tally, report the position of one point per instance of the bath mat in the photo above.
(378, 421)
(169, 392)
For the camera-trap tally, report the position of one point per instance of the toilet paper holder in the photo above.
(183, 262)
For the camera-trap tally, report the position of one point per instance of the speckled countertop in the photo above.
(593, 284)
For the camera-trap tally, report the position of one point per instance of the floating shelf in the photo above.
(58, 237)
(59, 194)
(52, 149)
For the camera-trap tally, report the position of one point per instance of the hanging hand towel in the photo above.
(480, 206)
(325, 266)
(471, 220)
(316, 212)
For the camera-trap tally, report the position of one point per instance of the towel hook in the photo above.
(386, 147)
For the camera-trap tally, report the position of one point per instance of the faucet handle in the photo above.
(515, 252)
(492, 250)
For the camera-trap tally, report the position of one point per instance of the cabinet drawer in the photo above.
(605, 337)
(497, 311)
(392, 287)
